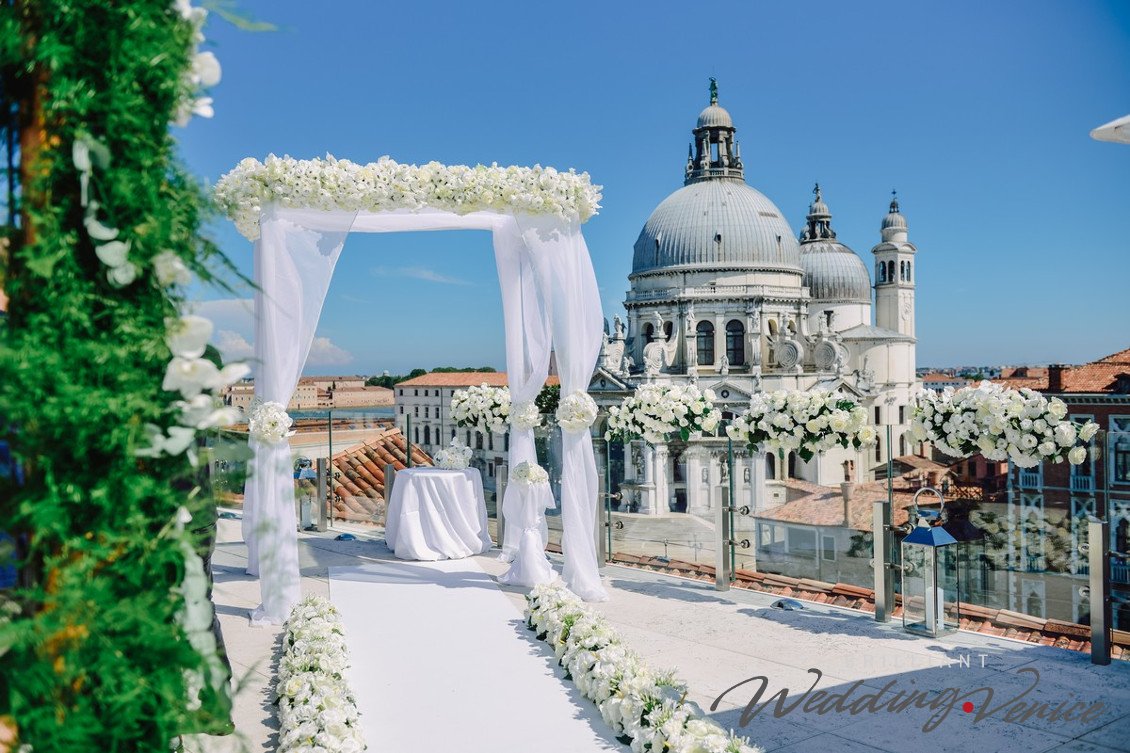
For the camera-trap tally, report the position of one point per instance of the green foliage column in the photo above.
(93, 655)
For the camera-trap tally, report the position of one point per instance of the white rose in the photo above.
(170, 269)
(1077, 455)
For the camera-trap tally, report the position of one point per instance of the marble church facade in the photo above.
(724, 294)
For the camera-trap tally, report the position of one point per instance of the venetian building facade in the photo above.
(724, 294)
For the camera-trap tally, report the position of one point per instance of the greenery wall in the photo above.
(93, 654)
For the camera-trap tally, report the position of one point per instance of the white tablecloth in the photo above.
(437, 514)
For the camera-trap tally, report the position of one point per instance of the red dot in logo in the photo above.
(967, 707)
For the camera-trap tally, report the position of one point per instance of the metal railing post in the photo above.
(390, 479)
(881, 561)
(1098, 557)
(323, 494)
(501, 479)
(598, 528)
(722, 542)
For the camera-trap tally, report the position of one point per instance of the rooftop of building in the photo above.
(464, 379)
(1109, 374)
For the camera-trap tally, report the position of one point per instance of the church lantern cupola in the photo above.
(715, 153)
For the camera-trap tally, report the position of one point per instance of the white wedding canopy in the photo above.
(300, 212)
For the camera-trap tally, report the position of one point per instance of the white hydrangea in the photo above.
(805, 422)
(269, 423)
(455, 457)
(529, 474)
(484, 408)
(1000, 423)
(659, 412)
(385, 185)
(576, 412)
(525, 416)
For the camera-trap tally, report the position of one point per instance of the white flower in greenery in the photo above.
(455, 457)
(170, 269)
(205, 412)
(190, 376)
(188, 336)
(123, 275)
(113, 254)
(1077, 455)
(206, 69)
(1087, 431)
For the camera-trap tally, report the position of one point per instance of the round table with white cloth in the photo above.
(437, 514)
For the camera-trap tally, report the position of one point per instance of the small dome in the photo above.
(834, 273)
(714, 116)
(894, 224)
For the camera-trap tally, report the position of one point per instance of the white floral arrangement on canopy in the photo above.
(649, 707)
(269, 423)
(385, 185)
(805, 422)
(659, 412)
(525, 416)
(529, 474)
(456, 457)
(484, 408)
(317, 710)
(576, 412)
(1023, 426)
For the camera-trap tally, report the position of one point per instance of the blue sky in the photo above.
(978, 113)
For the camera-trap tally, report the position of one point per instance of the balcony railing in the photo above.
(1082, 483)
(1030, 479)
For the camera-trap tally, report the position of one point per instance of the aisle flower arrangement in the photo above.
(576, 412)
(529, 474)
(484, 408)
(1023, 426)
(269, 423)
(333, 184)
(646, 706)
(805, 422)
(317, 710)
(456, 457)
(660, 412)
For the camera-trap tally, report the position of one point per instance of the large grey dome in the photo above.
(716, 223)
(833, 272)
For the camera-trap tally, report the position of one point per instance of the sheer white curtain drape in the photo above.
(293, 266)
(549, 296)
(568, 286)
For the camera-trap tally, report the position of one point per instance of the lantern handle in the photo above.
(936, 493)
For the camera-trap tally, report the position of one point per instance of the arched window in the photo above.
(908, 277)
(882, 273)
(427, 435)
(891, 270)
(649, 332)
(735, 342)
(770, 466)
(902, 445)
(705, 332)
(668, 328)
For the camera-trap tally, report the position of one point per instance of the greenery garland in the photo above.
(94, 650)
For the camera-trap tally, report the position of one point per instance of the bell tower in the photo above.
(894, 274)
(715, 153)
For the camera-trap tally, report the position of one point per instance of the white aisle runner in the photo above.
(442, 661)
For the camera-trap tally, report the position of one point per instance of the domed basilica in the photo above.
(724, 294)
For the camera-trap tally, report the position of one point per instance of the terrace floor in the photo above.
(717, 640)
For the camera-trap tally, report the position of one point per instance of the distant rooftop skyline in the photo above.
(978, 114)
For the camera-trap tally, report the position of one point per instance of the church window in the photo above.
(882, 274)
(705, 332)
(427, 435)
(908, 277)
(649, 332)
(735, 343)
(668, 328)
(891, 270)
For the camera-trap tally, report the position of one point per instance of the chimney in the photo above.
(1055, 377)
